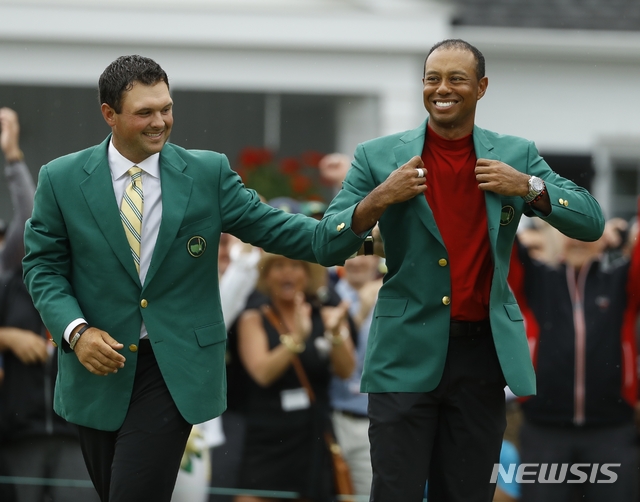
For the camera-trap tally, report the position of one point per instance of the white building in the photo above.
(326, 74)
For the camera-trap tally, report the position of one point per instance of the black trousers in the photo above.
(139, 461)
(451, 435)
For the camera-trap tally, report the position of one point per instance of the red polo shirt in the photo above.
(459, 210)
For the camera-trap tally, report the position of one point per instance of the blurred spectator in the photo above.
(542, 241)
(35, 442)
(333, 169)
(580, 318)
(226, 458)
(284, 446)
(359, 287)
(21, 190)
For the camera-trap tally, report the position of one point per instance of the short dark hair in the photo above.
(120, 76)
(457, 43)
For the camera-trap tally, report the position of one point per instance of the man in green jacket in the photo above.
(447, 333)
(122, 265)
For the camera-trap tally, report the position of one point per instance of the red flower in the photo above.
(289, 165)
(300, 184)
(253, 157)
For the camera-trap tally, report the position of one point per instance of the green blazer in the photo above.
(78, 264)
(410, 330)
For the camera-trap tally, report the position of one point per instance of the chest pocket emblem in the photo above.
(506, 215)
(196, 246)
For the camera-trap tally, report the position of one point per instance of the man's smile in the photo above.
(444, 104)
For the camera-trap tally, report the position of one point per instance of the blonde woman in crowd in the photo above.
(285, 448)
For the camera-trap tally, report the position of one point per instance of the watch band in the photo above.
(76, 337)
(368, 245)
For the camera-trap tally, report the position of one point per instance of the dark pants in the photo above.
(452, 435)
(543, 444)
(139, 461)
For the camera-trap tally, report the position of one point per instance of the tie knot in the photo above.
(135, 172)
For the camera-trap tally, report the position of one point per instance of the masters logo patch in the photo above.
(506, 215)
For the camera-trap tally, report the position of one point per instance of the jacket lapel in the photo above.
(411, 144)
(176, 190)
(484, 150)
(98, 192)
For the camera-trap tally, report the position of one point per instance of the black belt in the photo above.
(468, 328)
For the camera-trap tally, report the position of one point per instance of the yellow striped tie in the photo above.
(131, 213)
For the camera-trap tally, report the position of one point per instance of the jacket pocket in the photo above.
(513, 311)
(211, 333)
(391, 307)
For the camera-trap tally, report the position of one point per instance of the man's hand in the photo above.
(498, 177)
(96, 350)
(614, 233)
(9, 135)
(402, 184)
(29, 347)
(378, 242)
(501, 178)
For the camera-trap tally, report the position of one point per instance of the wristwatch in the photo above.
(536, 189)
(76, 337)
(368, 245)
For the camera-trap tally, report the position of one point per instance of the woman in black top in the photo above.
(285, 449)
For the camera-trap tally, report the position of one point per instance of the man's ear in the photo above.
(482, 86)
(109, 114)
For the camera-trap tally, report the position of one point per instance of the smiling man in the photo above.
(447, 333)
(121, 263)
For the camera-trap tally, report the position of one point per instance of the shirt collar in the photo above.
(119, 165)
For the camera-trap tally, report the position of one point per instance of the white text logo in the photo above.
(555, 473)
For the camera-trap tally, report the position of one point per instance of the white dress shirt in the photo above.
(151, 211)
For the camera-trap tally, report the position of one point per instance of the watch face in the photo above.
(536, 184)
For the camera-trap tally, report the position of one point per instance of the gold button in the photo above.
(561, 202)
(442, 262)
(54, 343)
(340, 227)
(133, 347)
(144, 303)
(566, 203)
(446, 300)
